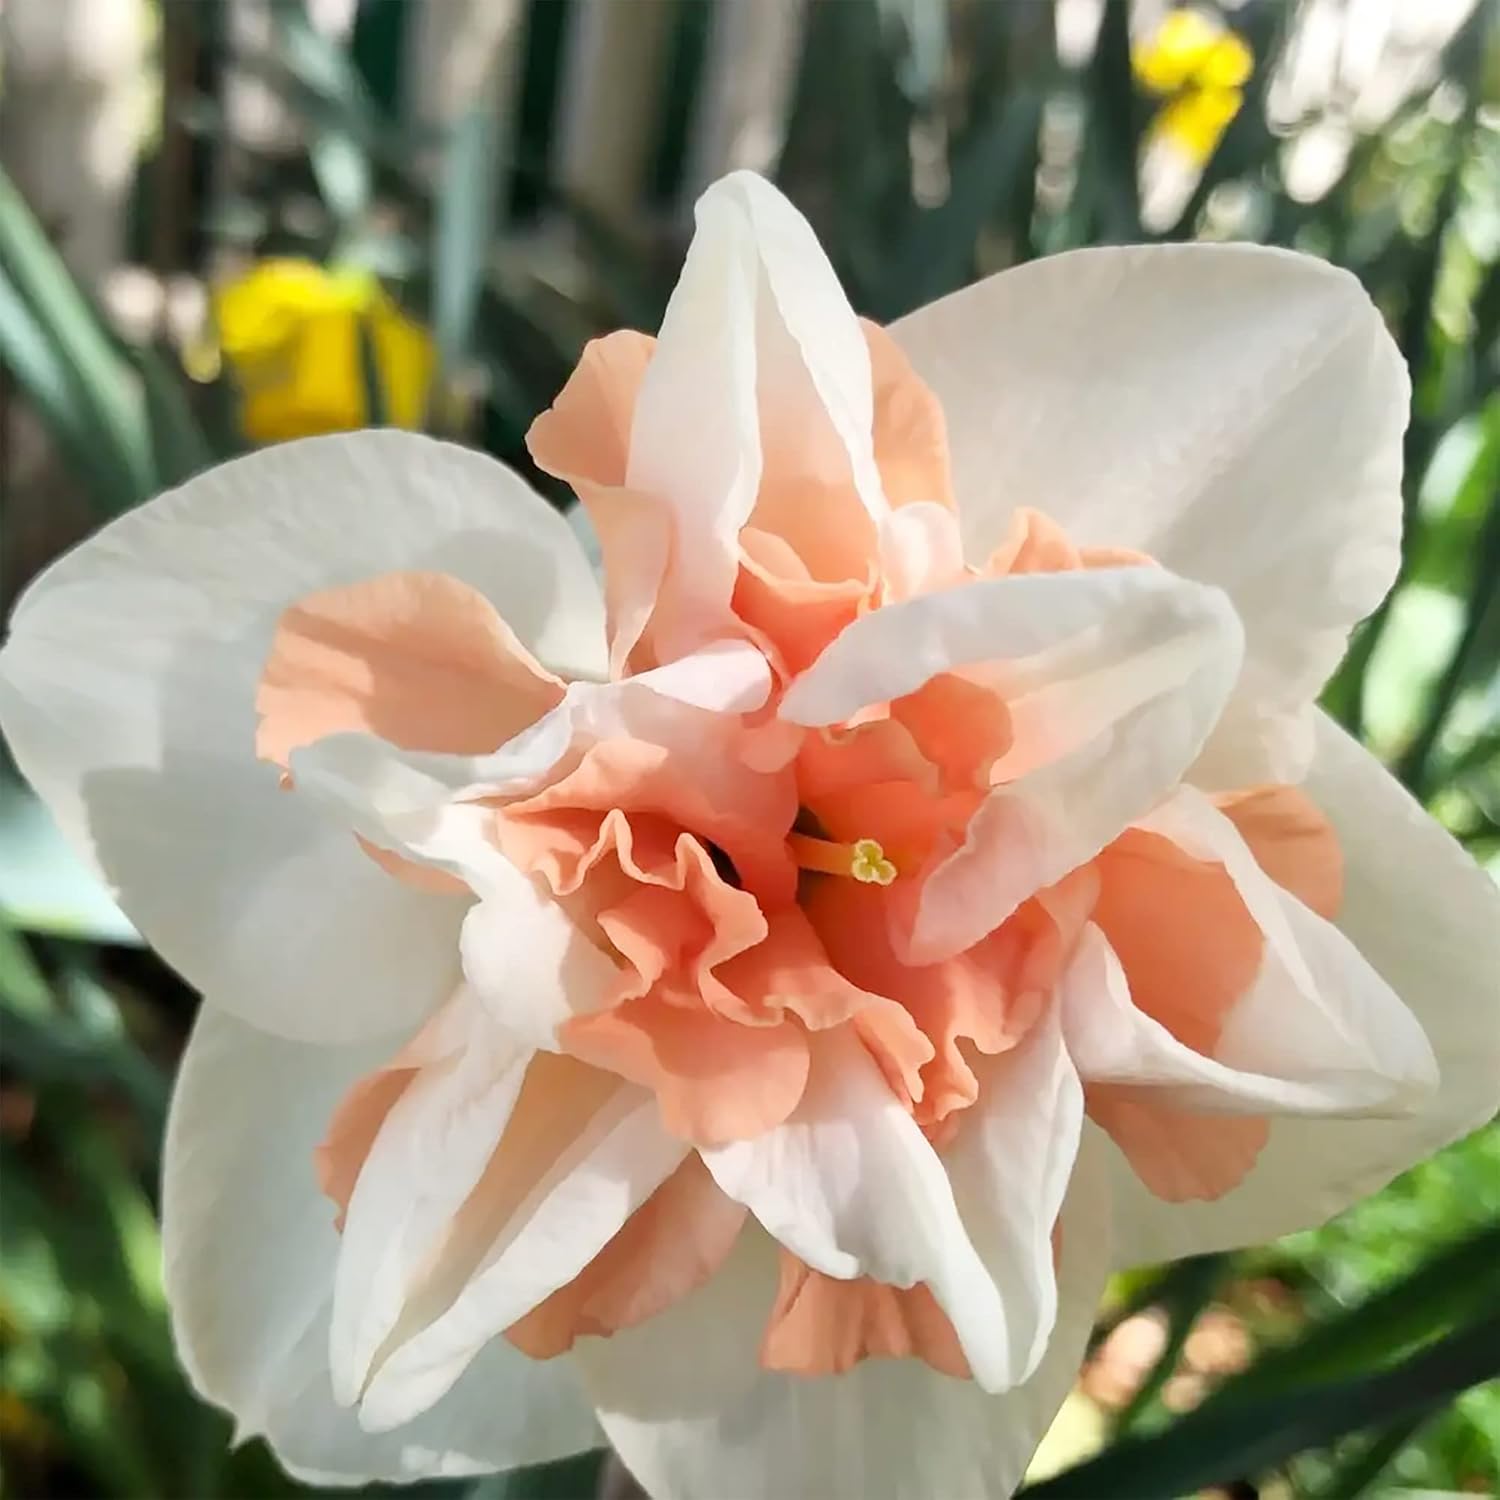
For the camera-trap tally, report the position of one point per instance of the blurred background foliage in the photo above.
(225, 222)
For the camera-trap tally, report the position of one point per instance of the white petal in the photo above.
(1010, 1164)
(249, 1252)
(127, 694)
(1428, 919)
(1234, 411)
(427, 1157)
(851, 1185)
(690, 1412)
(580, 1156)
(1113, 679)
(757, 336)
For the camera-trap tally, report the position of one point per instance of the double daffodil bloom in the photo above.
(291, 331)
(751, 1013)
(1200, 67)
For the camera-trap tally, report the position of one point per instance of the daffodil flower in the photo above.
(753, 1012)
(1201, 67)
(290, 331)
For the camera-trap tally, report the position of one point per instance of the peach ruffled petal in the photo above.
(824, 527)
(910, 431)
(668, 1247)
(585, 433)
(789, 970)
(1180, 1156)
(900, 1047)
(794, 613)
(420, 659)
(872, 781)
(1187, 944)
(964, 1000)
(821, 1326)
(1033, 543)
(1292, 841)
(833, 761)
(741, 812)
(961, 727)
(1190, 950)
(716, 1081)
(584, 439)
(659, 930)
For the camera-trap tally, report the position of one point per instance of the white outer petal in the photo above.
(851, 1185)
(1428, 919)
(429, 1153)
(1234, 411)
(249, 1250)
(605, 1167)
(127, 693)
(691, 1413)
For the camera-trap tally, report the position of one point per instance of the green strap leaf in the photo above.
(463, 230)
(108, 398)
(1314, 1392)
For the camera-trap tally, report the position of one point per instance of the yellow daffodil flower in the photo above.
(1200, 67)
(290, 332)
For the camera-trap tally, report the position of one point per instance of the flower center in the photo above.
(862, 859)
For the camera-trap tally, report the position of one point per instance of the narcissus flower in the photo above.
(754, 1012)
(290, 331)
(1201, 67)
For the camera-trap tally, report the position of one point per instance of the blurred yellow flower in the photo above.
(1201, 66)
(290, 333)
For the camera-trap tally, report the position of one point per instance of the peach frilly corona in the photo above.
(751, 1011)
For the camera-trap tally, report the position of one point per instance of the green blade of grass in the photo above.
(109, 399)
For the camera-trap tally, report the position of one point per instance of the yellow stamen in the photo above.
(863, 859)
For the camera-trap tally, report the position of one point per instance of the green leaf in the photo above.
(464, 224)
(343, 174)
(1458, 1283)
(1357, 1475)
(935, 254)
(23, 989)
(1316, 1391)
(1115, 127)
(178, 442)
(1226, 1441)
(1194, 1284)
(377, 412)
(111, 408)
(37, 365)
(346, 123)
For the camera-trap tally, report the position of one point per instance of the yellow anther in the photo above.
(864, 859)
(869, 864)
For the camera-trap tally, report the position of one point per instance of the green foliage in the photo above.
(955, 141)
